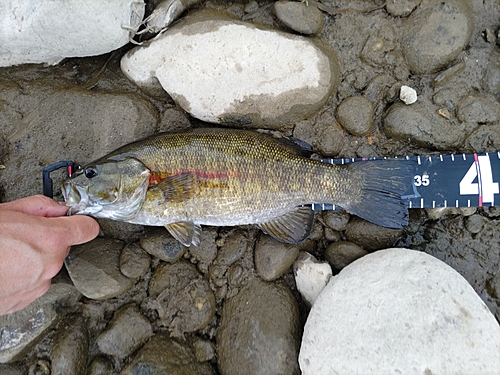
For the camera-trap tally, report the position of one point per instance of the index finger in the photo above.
(38, 205)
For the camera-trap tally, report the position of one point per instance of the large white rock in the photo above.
(223, 70)
(399, 311)
(42, 31)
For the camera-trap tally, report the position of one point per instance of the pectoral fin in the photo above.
(180, 187)
(292, 227)
(185, 232)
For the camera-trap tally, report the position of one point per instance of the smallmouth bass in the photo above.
(225, 177)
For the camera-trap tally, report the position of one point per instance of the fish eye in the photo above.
(90, 172)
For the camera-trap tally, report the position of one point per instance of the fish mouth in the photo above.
(77, 198)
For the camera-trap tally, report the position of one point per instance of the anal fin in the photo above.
(186, 233)
(292, 227)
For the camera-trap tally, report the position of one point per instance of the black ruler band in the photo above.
(456, 180)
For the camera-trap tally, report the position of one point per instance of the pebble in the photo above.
(134, 261)
(303, 18)
(379, 48)
(486, 138)
(70, 348)
(251, 7)
(128, 331)
(342, 253)
(407, 95)
(165, 355)
(352, 328)
(355, 114)
(182, 297)
(379, 88)
(336, 219)
(273, 258)
(421, 125)
(259, 331)
(204, 350)
(478, 109)
(100, 365)
(491, 79)
(437, 213)
(401, 8)
(447, 97)
(205, 254)
(311, 276)
(276, 80)
(475, 223)
(94, 268)
(233, 248)
(49, 31)
(159, 243)
(370, 236)
(436, 33)
(326, 135)
(23, 329)
(444, 77)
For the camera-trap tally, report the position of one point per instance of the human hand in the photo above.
(35, 238)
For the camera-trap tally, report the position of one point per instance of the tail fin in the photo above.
(384, 182)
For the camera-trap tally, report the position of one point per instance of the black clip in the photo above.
(47, 181)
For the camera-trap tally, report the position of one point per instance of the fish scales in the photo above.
(228, 177)
(244, 177)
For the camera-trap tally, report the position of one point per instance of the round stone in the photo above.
(298, 16)
(399, 311)
(259, 330)
(435, 34)
(355, 114)
(207, 66)
(420, 124)
(273, 258)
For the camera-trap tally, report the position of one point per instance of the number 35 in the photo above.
(422, 180)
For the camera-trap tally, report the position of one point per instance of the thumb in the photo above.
(82, 228)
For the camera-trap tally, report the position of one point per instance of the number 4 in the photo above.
(484, 187)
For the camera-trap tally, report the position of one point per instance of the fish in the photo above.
(226, 177)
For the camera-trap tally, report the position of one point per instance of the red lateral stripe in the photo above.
(156, 178)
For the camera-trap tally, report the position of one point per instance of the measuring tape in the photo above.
(457, 180)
